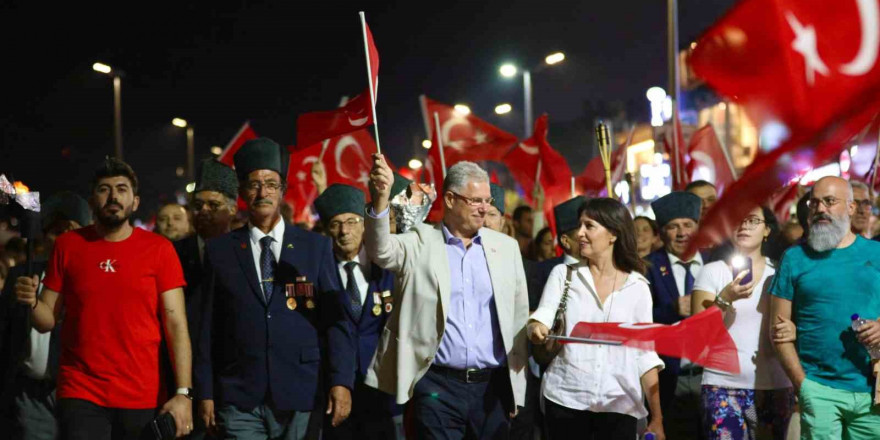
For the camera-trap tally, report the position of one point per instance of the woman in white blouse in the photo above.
(598, 391)
(758, 402)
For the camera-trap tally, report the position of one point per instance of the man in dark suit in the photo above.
(671, 275)
(213, 208)
(368, 302)
(28, 358)
(270, 316)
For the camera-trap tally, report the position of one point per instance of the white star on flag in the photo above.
(805, 44)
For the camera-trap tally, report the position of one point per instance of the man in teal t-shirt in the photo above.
(821, 283)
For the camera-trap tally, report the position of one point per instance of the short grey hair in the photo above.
(462, 173)
(853, 184)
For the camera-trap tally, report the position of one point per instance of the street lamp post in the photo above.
(117, 104)
(190, 147)
(509, 71)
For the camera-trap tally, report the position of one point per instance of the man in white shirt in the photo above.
(671, 275)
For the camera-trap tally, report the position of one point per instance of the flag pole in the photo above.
(423, 104)
(874, 167)
(674, 87)
(370, 81)
(605, 153)
(440, 143)
(573, 194)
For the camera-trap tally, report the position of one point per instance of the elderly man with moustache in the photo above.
(819, 285)
(456, 345)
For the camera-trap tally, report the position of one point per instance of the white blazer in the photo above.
(422, 288)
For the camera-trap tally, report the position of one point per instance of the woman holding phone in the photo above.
(758, 402)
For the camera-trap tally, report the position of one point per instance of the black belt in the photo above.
(471, 375)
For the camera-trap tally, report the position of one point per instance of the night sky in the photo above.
(221, 63)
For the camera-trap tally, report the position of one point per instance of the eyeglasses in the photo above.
(829, 201)
(335, 225)
(863, 204)
(212, 205)
(271, 186)
(473, 201)
(752, 222)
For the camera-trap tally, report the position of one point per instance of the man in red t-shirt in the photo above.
(113, 284)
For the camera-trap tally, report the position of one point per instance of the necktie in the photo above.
(688, 277)
(267, 266)
(351, 287)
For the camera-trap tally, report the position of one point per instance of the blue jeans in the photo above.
(262, 423)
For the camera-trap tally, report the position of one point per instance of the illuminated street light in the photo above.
(462, 109)
(179, 171)
(554, 58)
(508, 70)
(503, 109)
(415, 164)
(190, 187)
(216, 151)
(178, 122)
(190, 146)
(656, 96)
(426, 143)
(117, 105)
(101, 67)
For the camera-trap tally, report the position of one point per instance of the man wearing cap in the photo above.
(368, 302)
(270, 316)
(671, 275)
(567, 225)
(495, 214)
(28, 358)
(455, 348)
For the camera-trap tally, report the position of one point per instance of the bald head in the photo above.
(834, 186)
(831, 208)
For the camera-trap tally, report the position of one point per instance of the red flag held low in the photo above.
(702, 339)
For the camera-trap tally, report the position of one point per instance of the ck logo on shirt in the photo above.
(107, 265)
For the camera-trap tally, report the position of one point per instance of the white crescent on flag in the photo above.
(343, 143)
(446, 129)
(869, 17)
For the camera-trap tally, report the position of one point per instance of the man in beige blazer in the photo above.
(455, 345)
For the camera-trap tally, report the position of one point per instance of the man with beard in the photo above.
(861, 218)
(671, 275)
(369, 302)
(114, 285)
(28, 358)
(819, 285)
(270, 317)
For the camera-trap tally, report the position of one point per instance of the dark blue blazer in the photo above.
(367, 329)
(664, 293)
(248, 350)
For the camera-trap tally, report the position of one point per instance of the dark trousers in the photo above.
(565, 423)
(680, 400)
(83, 420)
(371, 417)
(34, 409)
(446, 407)
(529, 419)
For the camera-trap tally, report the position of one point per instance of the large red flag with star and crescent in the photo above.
(806, 68)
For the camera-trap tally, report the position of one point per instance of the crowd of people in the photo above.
(377, 324)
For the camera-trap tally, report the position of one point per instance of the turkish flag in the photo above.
(701, 338)
(678, 168)
(301, 190)
(780, 202)
(244, 134)
(347, 159)
(555, 175)
(706, 151)
(314, 127)
(467, 137)
(809, 68)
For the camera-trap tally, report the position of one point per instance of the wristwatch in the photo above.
(186, 392)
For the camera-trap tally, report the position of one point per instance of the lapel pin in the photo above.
(243, 245)
(289, 246)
